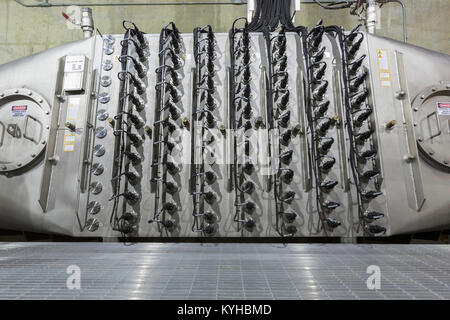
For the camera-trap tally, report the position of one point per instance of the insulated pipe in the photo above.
(371, 16)
(87, 22)
(47, 4)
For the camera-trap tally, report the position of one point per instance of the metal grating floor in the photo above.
(223, 271)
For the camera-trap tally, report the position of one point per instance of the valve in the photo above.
(287, 176)
(286, 156)
(361, 116)
(289, 216)
(371, 194)
(321, 108)
(134, 157)
(372, 215)
(170, 207)
(330, 205)
(375, 230)
(285, 137)
(320, 90)
(363, 136)
(284, 118)
(328, 185)
(327, 163)
(332, 223)
(325, 144)
(210, 197)
(287, 196)
(248, 187)
(359, 98)
(291, 230)
(171, 187)
(210, 177)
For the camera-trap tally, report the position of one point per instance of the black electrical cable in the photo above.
(344, 4)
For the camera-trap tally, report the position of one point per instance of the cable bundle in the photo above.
(205, 120)
(168, 97)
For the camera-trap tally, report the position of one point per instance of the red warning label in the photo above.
(443, 108)
(19, 111)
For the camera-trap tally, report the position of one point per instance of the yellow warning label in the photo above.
(69, 142)
(384, 69)
(69, 148)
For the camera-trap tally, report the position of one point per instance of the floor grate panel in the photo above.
(223, 271)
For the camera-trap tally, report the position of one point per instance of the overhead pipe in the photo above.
(48, 4)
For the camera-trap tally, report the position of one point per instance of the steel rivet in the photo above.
(16, 91)
(446, 162)
(40, 100)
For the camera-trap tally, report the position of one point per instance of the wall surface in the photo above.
(24, 31)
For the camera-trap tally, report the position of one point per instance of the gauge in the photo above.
(96, 187)
(102, 114)
(92, 224)
(105, 81)
(97, 169)
(108, 50)
(104, 97)
(94, 207)
(99, 150)
(109, 39)
(107, 65)
(100, 132)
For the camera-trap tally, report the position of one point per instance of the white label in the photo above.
(383, 60)
(19, 111)
(72, 108)
(443, 108)
(69, 148)
(74, 64)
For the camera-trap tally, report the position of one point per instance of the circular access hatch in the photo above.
(431, 111)
(24, 127)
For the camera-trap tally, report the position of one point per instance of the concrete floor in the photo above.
(223, 271)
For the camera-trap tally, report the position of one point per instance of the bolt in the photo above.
(19, 164)
(4, 167)
(148, 130)
(185, 121)
(47, 112)
(297, 129)
(447, 86)
(110, 121)
(16, 91)
(43, 142)
(446, 162)
(391, 124)
(416, 109)
(222, 128)
(400, 95)
(70, 126)
(33, 155)
(409, 158)
(30, 93)
(40, 100)
(433, 89)
(420, 139)
(422, 97)
(2, 94)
